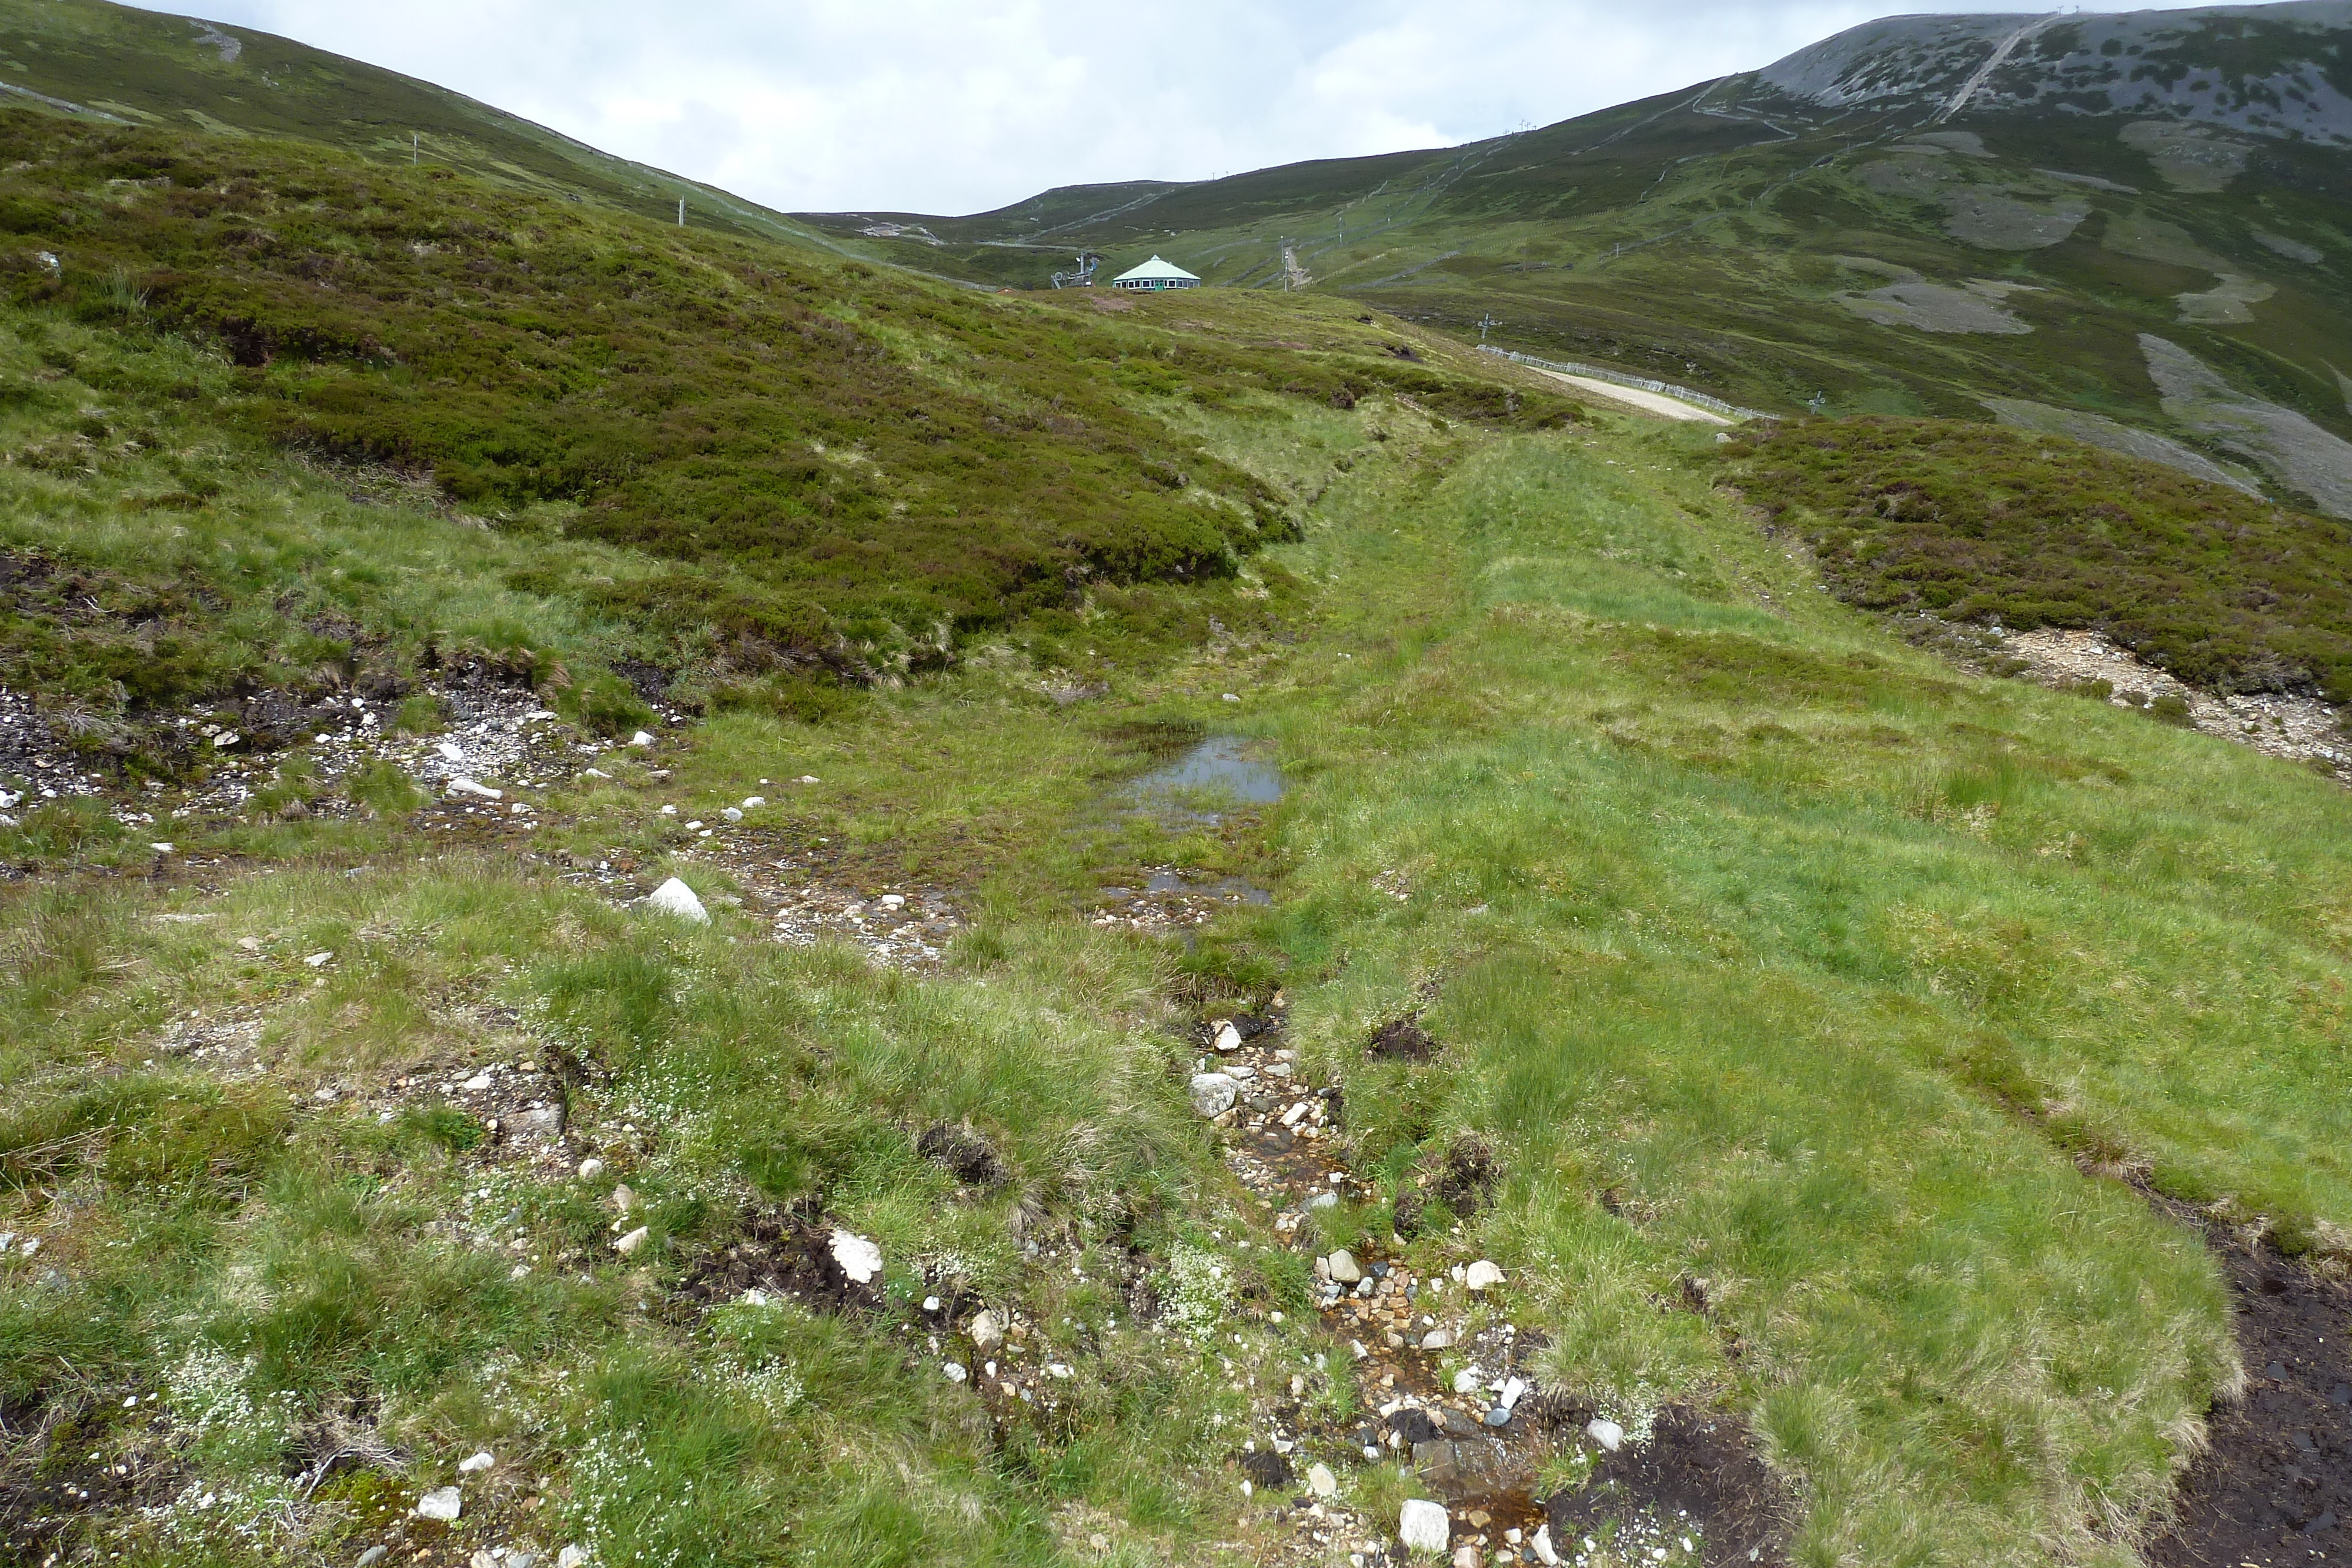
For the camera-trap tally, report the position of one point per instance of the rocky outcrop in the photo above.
(2267, 70)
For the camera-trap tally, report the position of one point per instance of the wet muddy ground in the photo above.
(2274, 1486)
(1444, 1378)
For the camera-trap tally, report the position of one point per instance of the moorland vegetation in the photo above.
(1844, 1034)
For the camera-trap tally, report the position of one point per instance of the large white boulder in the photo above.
(674, 897)
(1424, 1526)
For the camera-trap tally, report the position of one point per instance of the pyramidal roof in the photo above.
(1156, 267)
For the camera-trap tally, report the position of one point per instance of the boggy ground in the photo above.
(1732, 930)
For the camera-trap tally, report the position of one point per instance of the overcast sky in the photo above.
(957, 106)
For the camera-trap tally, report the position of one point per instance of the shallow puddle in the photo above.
(1229, 765)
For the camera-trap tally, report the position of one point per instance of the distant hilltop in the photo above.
(2280, 70)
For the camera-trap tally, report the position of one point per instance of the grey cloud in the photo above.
(935, 106)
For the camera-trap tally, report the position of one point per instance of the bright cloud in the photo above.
(947, 106)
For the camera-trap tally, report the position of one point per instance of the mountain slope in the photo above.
(1915, 217)
(115, 63)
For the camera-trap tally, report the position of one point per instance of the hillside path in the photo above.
(1647, 401)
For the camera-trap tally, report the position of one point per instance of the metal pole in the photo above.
(681, 212)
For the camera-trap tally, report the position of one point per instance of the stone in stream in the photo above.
(1345, 1269)
(1424, 1526)
(1213, 1093)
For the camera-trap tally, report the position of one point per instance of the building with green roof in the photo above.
(1156, 274)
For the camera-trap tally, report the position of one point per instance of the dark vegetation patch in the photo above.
(845, 470)
(2274, 1487)
(1973, 523)
(1697, 1466)
(963, 1153)
(1403, 1040)
(1745, 672)
(784, 1252)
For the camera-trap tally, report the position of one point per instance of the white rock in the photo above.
(1514, 1390)
(444, 1505)
(1466, 1555)
(753, 802)
(631, 1242)
(894, 901)
(1482, 1275)
(1466, 1381)
(1057, 1369)
(371, 1556)
(590, 1168)
(482, 791)
(1544, 1550)
(452, 750)
(477, 1083)
(1608, 1434)
(1228, 1038)
(1345, 1269)
(859, 1258)
(1321, 1481)
(1424, 1526)
(1437, 1339)
(674, 897)
(642, 740)
(625, 1197)
(162, 849)
(571, 1557)
(593, 773)
(732, 814)
(224, 739)
(1213, 1093)
(806, 778)
(987, 1333)
(1323, 1200)
(954, 1371)
(474, 1464)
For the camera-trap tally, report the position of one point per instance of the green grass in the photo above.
(1968, 522)
(1762, 947)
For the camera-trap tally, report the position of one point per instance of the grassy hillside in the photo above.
(1784, 255)
(121, 65)
(741, 468)
(1759, 950)
(1839, 1060)
(1966, 522)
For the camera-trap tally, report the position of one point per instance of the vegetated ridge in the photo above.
(1914, 217)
